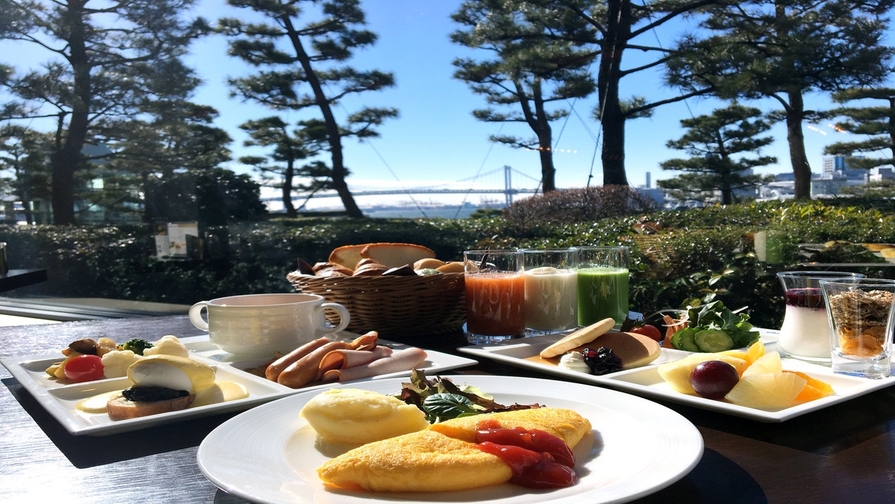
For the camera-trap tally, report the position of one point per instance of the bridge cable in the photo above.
(478, 173)
(389, 168)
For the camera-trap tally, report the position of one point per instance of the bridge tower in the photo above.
(508, 184)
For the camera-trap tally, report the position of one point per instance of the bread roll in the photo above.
(391, 255)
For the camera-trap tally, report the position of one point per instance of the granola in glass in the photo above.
(861, 318)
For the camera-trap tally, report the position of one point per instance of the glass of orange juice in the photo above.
(495, 295)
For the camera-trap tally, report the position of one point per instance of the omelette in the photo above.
(444, 457)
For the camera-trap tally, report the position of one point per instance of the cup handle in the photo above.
(344, 317)
(196, 315)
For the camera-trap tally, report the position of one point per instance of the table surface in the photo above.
(16, 278)
(845, 453)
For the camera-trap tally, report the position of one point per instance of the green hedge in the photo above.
(694, 254)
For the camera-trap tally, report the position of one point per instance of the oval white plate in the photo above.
(268, 454)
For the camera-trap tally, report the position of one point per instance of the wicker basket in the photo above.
(394, 306)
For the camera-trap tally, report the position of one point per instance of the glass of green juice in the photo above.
(602, 284)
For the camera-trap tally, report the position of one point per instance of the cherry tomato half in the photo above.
(649, 331)
(83, 368)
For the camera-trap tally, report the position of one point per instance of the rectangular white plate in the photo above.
(59, 398)
(646, 381)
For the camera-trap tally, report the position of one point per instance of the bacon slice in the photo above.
(400, 360)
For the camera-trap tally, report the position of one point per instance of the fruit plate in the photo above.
(60, 398)
(637, 447)
(646, 381)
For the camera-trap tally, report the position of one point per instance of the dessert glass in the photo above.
(805, 333)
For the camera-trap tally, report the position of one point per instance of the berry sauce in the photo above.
(808, 297)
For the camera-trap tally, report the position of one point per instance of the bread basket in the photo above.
(394, 306)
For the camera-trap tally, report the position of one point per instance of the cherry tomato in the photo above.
(649, 331)
(83, 368)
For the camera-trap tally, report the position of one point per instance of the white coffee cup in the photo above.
(264, 324)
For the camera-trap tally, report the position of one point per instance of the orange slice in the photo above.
(814, 389)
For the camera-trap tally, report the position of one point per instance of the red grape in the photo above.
(713, 379)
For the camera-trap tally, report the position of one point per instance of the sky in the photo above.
(436, 142)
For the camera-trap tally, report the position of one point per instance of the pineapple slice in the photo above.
(767, 363)
(767, 391)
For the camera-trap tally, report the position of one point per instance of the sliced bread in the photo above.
(392, 255)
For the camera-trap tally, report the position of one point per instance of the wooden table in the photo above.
(845, 453)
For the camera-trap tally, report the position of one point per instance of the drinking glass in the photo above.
(495, 295)
(805, 333)
(861, 314)
(551, 290)
(602, 284)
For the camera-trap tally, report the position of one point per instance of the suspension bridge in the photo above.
(507, 190)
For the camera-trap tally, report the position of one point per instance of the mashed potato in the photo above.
(354, 416)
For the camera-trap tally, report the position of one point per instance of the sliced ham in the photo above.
(304, 370)
(399, 360)
(346, 358)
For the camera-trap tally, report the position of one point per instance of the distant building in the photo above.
(881, 173)
(836, 175)
(654, 193)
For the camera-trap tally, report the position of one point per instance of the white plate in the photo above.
(59, 398)
(647, 382)
(638, 447)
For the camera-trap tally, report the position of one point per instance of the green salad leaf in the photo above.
(441, 399)
(716, 316)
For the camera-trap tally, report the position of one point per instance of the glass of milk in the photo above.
(805, 333)
(551, 290)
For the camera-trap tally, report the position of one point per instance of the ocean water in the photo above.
(441, 212)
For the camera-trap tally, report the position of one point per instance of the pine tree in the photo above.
(783, 50)
(531, 74)
(300, 69)
(719, 144)
(876, 123)
(280, 168)
(103, 57)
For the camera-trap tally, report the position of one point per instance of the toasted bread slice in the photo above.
(392, 255)
(580, 337)
(120, 408)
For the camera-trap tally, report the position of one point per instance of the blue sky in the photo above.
(436, 142)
